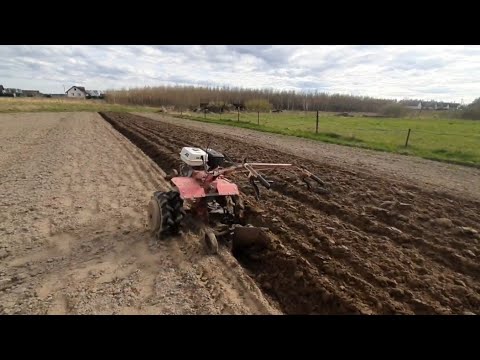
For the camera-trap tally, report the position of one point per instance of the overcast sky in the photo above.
(449, 73)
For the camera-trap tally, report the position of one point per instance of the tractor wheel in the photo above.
(165, 213)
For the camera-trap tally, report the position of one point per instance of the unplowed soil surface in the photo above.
(364, 243)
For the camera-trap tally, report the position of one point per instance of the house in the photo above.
(13, 92)
(429, 105)
(4, 92)
(31, 93)
(76, 92)
(448, 106)
(433, 105)
(453, 106)
(442, 106)
(412, 104)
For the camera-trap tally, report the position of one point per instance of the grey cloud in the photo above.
(415, 59)
(384, 71)
(271, 55)
(310, 85)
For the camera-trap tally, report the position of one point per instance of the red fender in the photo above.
(225, 187)
(191, 188)
(188, 187)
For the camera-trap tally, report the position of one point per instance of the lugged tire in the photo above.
(171, 213)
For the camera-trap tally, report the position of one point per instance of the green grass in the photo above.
(448, 140)
(12, 105)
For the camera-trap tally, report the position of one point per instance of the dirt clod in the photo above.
(469, 230)
(443, 222)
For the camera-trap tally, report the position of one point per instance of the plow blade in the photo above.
(247, 237)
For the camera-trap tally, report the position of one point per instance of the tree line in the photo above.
(190, 97)
(220, 99)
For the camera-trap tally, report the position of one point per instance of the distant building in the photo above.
(428, 105)
(31, 93)
(411, 104)
(93, 94)
(433, 105)
(77, 92)
(13, 92)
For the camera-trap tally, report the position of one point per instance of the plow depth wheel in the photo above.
(165, 213)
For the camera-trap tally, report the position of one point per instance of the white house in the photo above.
(415, 107)
(412, 104)
(428, 105)
(76, 92)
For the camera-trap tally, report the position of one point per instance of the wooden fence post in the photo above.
(408, 137)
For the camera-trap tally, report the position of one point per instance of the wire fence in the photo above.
(347, 129)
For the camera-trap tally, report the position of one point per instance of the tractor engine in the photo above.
(215, 159)
(197, 158)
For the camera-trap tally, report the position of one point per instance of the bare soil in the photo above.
(73, 238)
(366, 243)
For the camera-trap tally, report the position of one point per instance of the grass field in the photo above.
(451, 140)
(9, 105)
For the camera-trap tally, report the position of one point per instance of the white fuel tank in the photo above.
(193, 156)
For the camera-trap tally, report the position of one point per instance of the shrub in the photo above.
(258, 105)
(472, 112)
(393, 110)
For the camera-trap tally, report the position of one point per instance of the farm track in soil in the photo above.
(364, 246)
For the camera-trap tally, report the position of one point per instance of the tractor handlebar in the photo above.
(250, 167)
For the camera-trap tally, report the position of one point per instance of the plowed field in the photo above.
(362, 244)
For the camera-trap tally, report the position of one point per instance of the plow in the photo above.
(204, 193)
